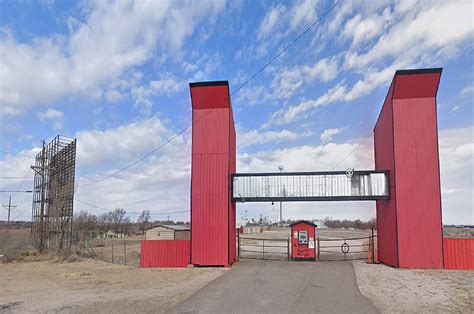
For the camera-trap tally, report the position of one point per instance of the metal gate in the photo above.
(256, 247)
(362, 248)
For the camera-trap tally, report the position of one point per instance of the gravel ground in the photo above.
(90, 286)
(394, 290)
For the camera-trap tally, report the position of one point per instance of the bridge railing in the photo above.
(311, 186)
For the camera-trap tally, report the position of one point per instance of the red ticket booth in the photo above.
(303, 244)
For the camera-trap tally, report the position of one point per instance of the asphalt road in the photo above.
(254, 286)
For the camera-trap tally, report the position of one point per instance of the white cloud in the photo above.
(271, 19)
(457, 166)
(415, 36)
(327, 135)
(50, 114)
(115, 145)
(161, 183)
(113, 96)
(406, 38)
(288, 81)
(253, 137)
(142, 95)
(454, 109)
(303, 13)
(468, 90)
(97, 51)
(295, 112)
(56, 116)
(277, 24)
(362, 30)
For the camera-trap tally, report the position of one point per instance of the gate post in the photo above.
(263, 251)
(317, 239)
(112, 250)
(238, 245)
(288, 247)
(373, 246)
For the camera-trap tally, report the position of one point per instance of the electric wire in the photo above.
(288, 46)
(275, 57)
(130, 213)
(351, 152)
(260, 70)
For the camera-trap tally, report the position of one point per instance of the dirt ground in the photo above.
(393, 290)
(90, 286)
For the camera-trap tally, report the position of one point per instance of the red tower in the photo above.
(213, 162)
(409, 224)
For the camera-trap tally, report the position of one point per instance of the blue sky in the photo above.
(115, 75)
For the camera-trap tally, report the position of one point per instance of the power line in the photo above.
(130, 213)
(148, 154)
(356, 148)
(27, 191)
(16, 177)
(21, 213)
(287, 47)
(233, 93)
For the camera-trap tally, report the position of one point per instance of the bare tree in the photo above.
(143, 220)
(116, 218)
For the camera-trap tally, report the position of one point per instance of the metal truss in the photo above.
(53, 195)
(310, 186)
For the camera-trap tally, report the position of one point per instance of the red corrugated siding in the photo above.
(406, 143)
(418, 183)
(165, 253)
(459, 253)
(232, 205)
(386, 210)
(211, 212)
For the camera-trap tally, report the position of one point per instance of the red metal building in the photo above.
(409, 224)
(213, 161)
(303, 241)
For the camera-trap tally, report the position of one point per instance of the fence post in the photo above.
(319, 250)
(373, 247)
(288, 247)
(112, 250)
(238, 245)
(263, 251)
(125, 250)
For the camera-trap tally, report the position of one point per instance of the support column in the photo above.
(213, 161)
(409, 225)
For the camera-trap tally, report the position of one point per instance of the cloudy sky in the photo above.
(115, 76)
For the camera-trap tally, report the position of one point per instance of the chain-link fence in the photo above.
(18, 245)
(125, 251)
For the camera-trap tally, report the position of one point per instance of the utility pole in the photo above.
(9, 207)
(42, 172)
(281, 216)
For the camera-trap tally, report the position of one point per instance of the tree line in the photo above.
(116, 222)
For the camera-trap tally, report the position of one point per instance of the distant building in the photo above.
(168, 232)
(320, 224)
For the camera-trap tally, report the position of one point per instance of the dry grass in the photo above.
(458, 232)
(90, 286)
(395, 290)
(15, 245)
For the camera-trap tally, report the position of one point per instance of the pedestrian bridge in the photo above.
(367, 185)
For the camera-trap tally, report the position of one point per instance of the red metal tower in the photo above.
(213, 162)
(409, 224)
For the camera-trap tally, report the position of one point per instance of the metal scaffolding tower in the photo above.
(53, 195)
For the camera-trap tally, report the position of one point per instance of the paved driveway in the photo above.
(253, 286)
